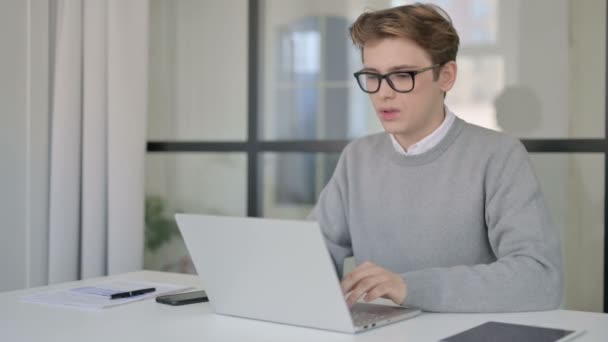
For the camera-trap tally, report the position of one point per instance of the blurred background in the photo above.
(249, 103)
(535, 69)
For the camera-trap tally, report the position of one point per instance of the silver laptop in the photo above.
(277, 271)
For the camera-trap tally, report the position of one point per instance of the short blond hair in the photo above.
(427, 25)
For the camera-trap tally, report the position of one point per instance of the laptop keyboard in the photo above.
(366, 314)
(366, 318)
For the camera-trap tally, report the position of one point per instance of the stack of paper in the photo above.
(97, 296)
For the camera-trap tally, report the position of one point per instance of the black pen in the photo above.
(132, 293)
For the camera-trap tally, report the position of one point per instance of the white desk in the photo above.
(149, 321)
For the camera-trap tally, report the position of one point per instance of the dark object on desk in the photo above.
(183, 298)
(132, 293)
(507, 332)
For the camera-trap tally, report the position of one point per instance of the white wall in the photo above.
(23, 142)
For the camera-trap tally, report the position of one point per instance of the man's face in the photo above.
(410, 116)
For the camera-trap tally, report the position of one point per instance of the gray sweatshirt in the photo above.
(465, 223)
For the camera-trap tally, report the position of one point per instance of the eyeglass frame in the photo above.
(386, 76)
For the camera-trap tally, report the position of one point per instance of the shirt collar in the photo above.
(430, 140)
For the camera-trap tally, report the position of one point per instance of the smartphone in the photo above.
(183, 298)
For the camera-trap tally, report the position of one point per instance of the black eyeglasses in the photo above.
(399, 81)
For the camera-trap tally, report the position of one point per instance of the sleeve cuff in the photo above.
(421, 290)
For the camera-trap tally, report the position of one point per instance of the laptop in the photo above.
(276, 271)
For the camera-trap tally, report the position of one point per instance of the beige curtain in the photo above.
(98, 123)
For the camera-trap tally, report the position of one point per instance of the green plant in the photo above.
(160, 229)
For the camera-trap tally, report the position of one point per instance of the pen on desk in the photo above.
(132, 293)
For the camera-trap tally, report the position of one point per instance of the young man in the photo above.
(439, 214)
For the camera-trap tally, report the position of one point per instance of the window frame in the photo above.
(254, 147)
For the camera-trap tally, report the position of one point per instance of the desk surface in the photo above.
(149, 321)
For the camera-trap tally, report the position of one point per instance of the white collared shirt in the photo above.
(430, 140)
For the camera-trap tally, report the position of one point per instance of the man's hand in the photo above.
(375, 282)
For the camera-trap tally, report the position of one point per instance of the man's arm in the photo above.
(330, 213)
(527, 275)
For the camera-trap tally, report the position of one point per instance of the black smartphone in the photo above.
(183, 298)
